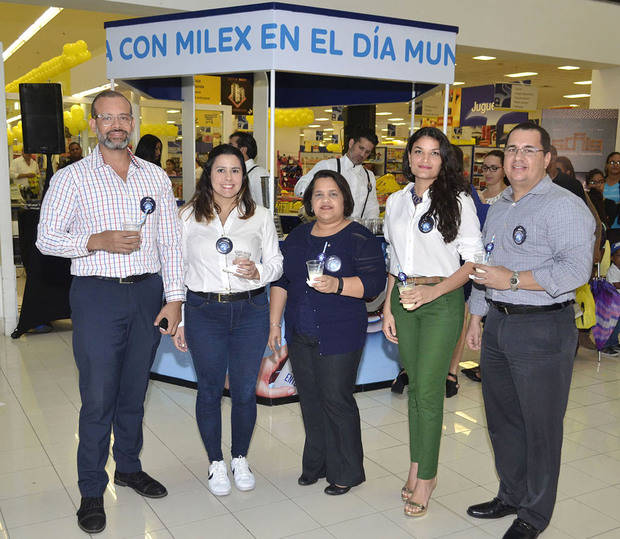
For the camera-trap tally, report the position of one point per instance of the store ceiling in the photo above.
(73, 24)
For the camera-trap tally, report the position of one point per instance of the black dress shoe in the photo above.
(521, 530)
(496, 508)
(305, 481)
(91, 516)
(335, 490)
(142, 483)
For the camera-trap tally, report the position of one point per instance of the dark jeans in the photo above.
(226, 337)
(325, 384)
(114, 344)
(527, 364)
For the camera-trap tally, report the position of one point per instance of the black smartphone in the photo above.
(163, 323)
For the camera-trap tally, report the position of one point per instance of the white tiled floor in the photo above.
(39, 405)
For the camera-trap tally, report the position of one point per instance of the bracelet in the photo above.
(340, 286)
(276, 325)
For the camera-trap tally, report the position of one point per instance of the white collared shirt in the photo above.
(204, 265)
(255, 172)
(420, 254)
(19, 166)
(358, 183)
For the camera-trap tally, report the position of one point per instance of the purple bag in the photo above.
(607, 301)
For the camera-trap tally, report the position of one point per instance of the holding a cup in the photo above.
(404, 287)
(315, 270)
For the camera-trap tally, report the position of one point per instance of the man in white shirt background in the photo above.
(22, 169)
(361, 181)
(246, 144)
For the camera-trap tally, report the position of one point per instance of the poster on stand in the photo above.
(585, 136)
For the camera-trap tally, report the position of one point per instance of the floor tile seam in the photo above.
(373, 512)
(602, 533)
(594, 507)
(192, 519)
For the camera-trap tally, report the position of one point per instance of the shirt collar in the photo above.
(98, 161)
(541, 188)
(347, 163)
(249, 164)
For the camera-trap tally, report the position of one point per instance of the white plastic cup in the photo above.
(315, 269)
(479, 258)
(242, 255)
(135, 227)
(405, 286)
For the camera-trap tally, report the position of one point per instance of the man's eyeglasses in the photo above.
(108, 119)
(492, 168)
(615, 163)
(527, 151)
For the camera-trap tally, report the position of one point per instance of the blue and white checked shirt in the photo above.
(559, 239)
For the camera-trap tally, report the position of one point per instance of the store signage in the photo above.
(516, 97)
(282, 37)
(478, 108)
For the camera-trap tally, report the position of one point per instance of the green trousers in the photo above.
(426, 340)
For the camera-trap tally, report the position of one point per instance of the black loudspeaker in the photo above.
(356, 116)
(42, 120)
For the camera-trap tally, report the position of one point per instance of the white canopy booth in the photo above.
(265, 39)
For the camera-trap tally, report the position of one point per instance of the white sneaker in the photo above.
(244, 478)
(219, 484)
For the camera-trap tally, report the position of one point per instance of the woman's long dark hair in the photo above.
(146, 149)
(203, 203)
(444, 191)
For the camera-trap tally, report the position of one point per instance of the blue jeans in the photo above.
(226, 337)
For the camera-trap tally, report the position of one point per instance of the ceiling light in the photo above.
(321, 119)
(16, 105)
(458, 83)
(301, 135)
(384, 129)
(572, 105)
(568, 68)
(169, 121)
(327, 110)
(314, 125)
(328, 129)
(484, 58)
(522, 74)
(383, 114)
(401, 123)
(173, 111)
(29, 33)
(583, 82)
(395, 119)
(575, 96)
(95, 90)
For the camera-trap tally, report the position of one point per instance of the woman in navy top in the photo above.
(326, 325)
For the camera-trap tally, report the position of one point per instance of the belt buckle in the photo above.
(122, 280)
(504, 309)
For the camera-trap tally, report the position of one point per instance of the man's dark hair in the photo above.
(545, 140)
(74, 144)
(342, 184)
(247, 141)
(363, 132)
(107, 94)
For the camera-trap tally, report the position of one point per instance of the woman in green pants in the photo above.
(430, 225)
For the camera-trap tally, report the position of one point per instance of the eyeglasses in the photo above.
(615, 163)
(108, 119)
(596, 182)
(492, 168)
(527, 151)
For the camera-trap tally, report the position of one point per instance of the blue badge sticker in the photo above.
(224, 245)
(147, 205)
(333, 263)
(402, 276)
(519, 234)
(426, 224)
(321, 257)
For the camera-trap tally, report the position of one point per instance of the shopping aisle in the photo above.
(39, 404)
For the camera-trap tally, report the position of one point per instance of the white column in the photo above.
(261, 105)
(272, 141)
(135, 111)
(446, 99)
(8, 284)
(188, 119)
(605, 92)
(411, 127)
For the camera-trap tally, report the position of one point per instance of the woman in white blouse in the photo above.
(230, 252)
(429, 224)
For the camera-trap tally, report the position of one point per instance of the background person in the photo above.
(430, 225)
(246, 144)
(24, 168)
(611, 191)
(227, 314)
(171, 169)
(149, 148)
(362, 182)
(116, 295)
(326, 328)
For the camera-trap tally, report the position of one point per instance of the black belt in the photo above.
(226, 298)
(511, 308)
(130, 279)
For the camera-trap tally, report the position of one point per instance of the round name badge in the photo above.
(426, 224)
(321, 257)
(402, 276)
(224, 245)
(488, 248)
(147, 205)
(519, 234)
(333, 263)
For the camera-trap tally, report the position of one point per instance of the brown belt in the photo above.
(424, 280)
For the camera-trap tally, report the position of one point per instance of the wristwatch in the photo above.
(340, 286)
(514, 281)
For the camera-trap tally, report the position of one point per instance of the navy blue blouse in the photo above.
(341, 321)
